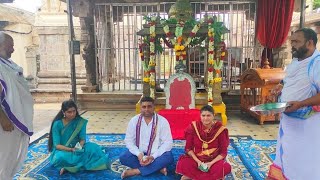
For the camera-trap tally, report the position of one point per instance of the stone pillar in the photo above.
(32, 63)
(84, 10)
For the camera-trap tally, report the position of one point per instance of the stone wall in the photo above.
(54, 67)
(53, 70)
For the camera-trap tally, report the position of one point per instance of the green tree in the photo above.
(316, 4)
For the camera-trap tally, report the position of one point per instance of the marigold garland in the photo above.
(210, 59)
(179, 42)
(152, 61)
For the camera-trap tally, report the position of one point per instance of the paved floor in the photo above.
(116, 122)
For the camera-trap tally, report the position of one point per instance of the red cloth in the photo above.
(188, 167)
(180, 94)
(179, 120)
(274, 20)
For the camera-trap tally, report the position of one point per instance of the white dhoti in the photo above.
(298, 147)
(298, 144)
(17, 104)
(14, 148)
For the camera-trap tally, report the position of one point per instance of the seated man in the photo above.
(149, 142)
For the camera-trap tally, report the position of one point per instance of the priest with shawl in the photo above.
(16, 112)
(149, 142)
(298, 143)
(206, 147)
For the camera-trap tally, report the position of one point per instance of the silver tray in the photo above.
(270, 108)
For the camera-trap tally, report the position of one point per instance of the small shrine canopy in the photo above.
(261, 77)
(180, 32)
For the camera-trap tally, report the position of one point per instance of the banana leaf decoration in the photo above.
(219, 30)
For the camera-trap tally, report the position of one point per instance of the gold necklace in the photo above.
(205, 144)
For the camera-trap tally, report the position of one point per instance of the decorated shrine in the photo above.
(182, 31)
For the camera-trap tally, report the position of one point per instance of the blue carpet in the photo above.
(243, 155)
(256, 155)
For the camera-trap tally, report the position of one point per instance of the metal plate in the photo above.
(270, 107)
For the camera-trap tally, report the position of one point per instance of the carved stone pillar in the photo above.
(87, 39)
(84, 10)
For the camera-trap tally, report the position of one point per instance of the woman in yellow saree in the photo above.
(67, 143)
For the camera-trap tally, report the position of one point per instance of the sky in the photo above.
(29, 5)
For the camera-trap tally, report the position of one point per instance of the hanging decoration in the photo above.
(179, 41)
(179, 34)
(152, 61)
(211, 61)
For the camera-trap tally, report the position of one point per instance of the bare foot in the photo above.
(164, 171)
(61, 171)
(185, 178)
(129, 172)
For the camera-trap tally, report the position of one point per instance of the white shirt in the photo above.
(163, 140)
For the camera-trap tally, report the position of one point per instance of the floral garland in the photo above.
(152, 61)
(146, 70)
(179, 47)
(218, 64)
(178, 44)
(210, 60)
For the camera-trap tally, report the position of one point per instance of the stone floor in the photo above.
(116, 122)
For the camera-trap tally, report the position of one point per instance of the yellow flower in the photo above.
(178, 47)
(223, 53)
(146, 79)
(152, 83)
(217, 80)
(210, 61)
(178, 53)
(152, 63)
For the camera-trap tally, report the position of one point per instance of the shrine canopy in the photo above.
(181, 31)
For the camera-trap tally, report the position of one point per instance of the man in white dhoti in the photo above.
(298, 144)
(16, 112)
(149, 142)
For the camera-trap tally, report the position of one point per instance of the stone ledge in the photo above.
(51, 90)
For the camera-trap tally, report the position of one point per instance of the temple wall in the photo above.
(53, 69)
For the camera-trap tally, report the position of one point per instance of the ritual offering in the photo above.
(78, 147)
(203, 167)
(144, 158)
(270, 108)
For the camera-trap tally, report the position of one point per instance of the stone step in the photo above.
(50, 96)
(108, 101)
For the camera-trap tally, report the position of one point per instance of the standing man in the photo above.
(149, 142)
(298, 144)
(16, 112)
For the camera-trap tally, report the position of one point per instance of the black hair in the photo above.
(147, 99)
(64, 107)
(207, 108)
(309, 34)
